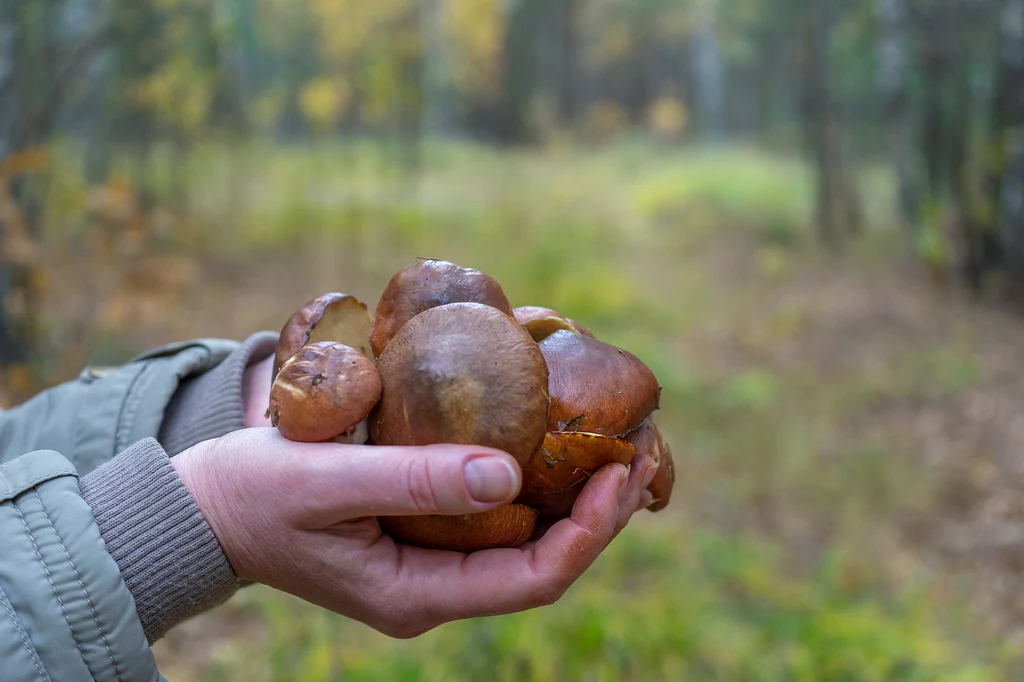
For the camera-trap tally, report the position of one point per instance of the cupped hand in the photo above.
(301, 518)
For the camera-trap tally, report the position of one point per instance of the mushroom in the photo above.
(648, 440)
(557, 471)
(428, 284)
(330, 317)
(596, 387)
(508, 526)
(462, 373)
(543, 322)
(599, 394)
(324, 392)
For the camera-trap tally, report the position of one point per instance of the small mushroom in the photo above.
(330, 317)
(596, 387)
(425, 285)
(648, 440)
(508, 526)
(324, 392)
(556, 473)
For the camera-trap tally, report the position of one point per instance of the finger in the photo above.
(432, 587)
(646, 500)
(641, 472)
(329, 483)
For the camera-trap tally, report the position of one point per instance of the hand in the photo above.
(301, 518)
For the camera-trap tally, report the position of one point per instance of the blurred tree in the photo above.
(1011, 138)
(894, 67)
(836, 213)
(44, 47)
(707, 70)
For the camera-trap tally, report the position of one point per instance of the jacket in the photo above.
(89, 504)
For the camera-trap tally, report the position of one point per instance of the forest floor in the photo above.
(849, 438)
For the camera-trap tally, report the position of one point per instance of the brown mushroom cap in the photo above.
(322, 392)
(555, 475)
(536, 320)
(330, 317)
(462, 373)
(596, 387)
(425, 285)
(507, 526)
(663, 482)
(648, 440)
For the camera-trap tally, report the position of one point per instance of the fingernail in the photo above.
(490, 479)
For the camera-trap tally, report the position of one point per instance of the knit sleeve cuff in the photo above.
(169, 557)
(211, 404)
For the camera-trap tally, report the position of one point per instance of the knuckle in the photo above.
(421, 487)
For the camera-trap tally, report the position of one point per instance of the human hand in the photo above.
(301, 518)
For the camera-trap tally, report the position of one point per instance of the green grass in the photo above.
(781, 557)
(668, 602)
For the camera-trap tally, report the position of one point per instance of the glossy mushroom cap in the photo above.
(425, 285)
(596, 387)
(555, 475)
(322, 392)
(648, 440)
(462, 373)
(507, 526)
(330, 317)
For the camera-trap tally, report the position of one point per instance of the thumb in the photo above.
(340, 482)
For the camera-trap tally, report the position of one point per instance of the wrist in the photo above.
(169, 558)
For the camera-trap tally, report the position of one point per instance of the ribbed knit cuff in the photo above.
(169, 557)
(210, 405)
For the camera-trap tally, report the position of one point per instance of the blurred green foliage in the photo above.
(665, 603)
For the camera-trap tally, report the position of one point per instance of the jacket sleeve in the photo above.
(139, 554)
(102, 412)
(65, 613)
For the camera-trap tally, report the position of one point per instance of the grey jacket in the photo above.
(102, 548)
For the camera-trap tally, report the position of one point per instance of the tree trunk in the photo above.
(820, 124)
(708, 73)
(1011, 194)
(567, 20)
(893, 70)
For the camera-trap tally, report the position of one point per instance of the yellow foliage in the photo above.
(323, 100)
(474, 34)
(24, 161)
(667, 117)
(348, 27)
(180, 93)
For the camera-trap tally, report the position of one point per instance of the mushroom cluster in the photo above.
(446, 359)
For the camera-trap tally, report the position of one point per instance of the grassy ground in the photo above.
(848, 440)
